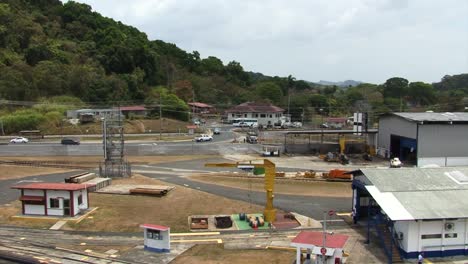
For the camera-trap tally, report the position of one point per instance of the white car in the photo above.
(203, 138)
(19, 140)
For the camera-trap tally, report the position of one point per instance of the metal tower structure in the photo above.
(115, 164)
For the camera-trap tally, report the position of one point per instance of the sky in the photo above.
(333, 40)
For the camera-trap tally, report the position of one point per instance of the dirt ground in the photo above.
(313, 188)
(214, 254)
(127, 212)
(16, 172)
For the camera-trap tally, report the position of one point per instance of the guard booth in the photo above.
(157, 238)
(329, 253)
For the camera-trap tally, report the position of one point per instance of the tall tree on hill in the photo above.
(396, 87)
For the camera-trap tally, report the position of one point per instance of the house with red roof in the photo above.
(134, 110)
(157, 238)
(201, 108)
(54, 199)
(327, 250)
(266, 114)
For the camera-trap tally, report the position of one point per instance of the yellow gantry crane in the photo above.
(270, 173)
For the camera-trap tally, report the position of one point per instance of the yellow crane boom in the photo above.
(270, 173)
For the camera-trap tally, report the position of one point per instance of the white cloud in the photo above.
(369, 40)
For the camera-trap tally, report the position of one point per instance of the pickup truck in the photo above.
(203, 138)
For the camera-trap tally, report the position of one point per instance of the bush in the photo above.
(22, 120)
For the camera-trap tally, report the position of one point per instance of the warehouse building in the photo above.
(425, 138)
(414, 210)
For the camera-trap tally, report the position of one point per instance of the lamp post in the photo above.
(321, 125)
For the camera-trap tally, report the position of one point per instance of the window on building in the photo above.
(80, 199)
(271, 115)
(262, 115)
(255, 115)
(431, 236)
(451, 235)
(54, 203)
(154, 234)
(245, 115)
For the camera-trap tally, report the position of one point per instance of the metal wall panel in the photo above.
(440, 140)
(389, 125)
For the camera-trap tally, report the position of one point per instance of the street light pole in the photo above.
(324, 234)
(160, 117)
(321, 125)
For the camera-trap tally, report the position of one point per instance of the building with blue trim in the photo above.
(414, 210)
(157, 238)
(424, 138)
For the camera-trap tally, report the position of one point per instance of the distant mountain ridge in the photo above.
(346, 83)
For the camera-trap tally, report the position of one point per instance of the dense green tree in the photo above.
(421, 93)
(270, 91)
(395, 87)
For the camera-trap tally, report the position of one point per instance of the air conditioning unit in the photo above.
(399, 235)
(449, 226)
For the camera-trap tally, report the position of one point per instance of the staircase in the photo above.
(389, 243)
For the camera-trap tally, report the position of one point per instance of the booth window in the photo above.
(431, 236)
(80, 199)
(154, 234)
(451, 235)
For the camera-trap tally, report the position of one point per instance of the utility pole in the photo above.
(1, 123)
(302, 116)
(160, 116)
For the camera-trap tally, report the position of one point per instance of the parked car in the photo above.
(324, 125)
(19, 140)
(217, 131)
(70, 141)
(203, 138)
(251, 138)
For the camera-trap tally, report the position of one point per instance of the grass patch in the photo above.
(211, 254)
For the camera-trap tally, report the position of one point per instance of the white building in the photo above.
(56, 199)
(266, 113)
(157, 238)
(425, 138)
(330, 253)
(414, 210)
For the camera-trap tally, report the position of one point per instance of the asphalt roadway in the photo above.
(221, 144)
(176, 173)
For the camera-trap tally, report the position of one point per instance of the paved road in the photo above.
(220, 145)
(305, 205)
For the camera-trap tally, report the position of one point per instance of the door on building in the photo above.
(404, 148)
(66, 207)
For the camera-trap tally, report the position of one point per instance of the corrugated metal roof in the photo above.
(423, 193)
(434, 117)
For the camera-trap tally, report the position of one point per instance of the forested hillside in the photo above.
(49, 49)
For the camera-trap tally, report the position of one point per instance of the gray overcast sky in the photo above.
(335, 40)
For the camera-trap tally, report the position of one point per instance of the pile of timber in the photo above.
(91, 179)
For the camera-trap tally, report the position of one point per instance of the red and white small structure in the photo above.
(53, 199)
(331, 253)
(157, 238)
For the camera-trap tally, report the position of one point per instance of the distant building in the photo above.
(266, 113)
(414, 210)
(53, 199)
(157, 238)
(92, 113)
(201, 108)
(425, 138)
(136, 110)
(337, 122)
